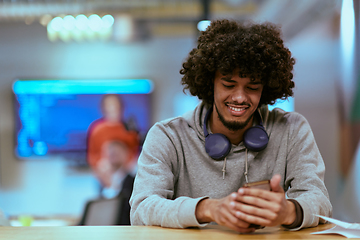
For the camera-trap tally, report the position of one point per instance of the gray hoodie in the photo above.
(175, 172)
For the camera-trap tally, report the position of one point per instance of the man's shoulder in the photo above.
(278, 120)
(278, 114)
(172, 122)
(178, 127)
(187, 119)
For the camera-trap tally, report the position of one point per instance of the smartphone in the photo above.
(265, 185)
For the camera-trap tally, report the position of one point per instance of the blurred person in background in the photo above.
(104, 138)
(192, 169)
(116, 169)
(117, 175)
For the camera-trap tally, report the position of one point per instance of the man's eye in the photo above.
(228, 86)
(253, 89)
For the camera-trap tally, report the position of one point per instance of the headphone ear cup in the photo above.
(217, 146)
(256, 138)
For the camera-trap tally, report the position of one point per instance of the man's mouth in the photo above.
(237, 109)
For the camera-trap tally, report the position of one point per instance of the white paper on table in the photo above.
(349, 230)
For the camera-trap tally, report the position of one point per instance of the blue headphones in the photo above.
(218, 146)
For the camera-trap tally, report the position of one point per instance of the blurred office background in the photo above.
(149, 39)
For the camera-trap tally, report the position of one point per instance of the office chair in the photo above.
(105, 212)
(113, 211)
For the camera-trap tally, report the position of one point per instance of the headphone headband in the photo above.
(209, 111)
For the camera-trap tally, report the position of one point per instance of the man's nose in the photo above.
(239, 95)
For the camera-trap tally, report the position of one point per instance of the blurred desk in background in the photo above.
(147, 232)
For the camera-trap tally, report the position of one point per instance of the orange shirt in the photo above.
(101, 132)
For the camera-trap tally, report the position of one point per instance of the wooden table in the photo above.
(142, 232)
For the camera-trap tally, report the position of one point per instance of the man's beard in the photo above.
(233, 125)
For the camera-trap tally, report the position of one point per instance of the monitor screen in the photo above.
(53, 116)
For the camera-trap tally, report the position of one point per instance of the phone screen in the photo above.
(265, 185)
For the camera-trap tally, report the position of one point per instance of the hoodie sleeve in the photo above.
(152, 201)
(305, 174)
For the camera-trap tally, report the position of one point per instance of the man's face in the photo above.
(236, 98)
(117, 154)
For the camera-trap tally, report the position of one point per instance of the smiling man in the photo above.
(199, 168)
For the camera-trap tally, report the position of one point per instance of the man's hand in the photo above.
(263, 207)
(249, 206)
(223, 212)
